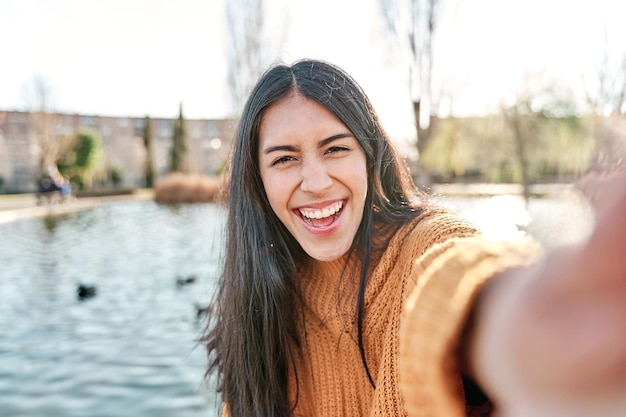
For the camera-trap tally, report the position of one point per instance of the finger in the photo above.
(606, 246)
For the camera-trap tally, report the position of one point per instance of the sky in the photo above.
(144, 57)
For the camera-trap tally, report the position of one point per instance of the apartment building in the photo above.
(24, 136)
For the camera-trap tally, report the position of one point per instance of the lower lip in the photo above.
(324, 231)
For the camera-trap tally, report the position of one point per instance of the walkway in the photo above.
(23, 206)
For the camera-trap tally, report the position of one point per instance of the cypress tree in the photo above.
(147, 142)
(179, 148)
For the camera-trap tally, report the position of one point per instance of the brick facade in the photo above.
(24, 135)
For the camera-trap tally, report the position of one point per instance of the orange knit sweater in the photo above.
(438, 264)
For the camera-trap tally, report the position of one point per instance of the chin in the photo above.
(327, 256)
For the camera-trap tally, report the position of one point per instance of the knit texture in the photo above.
(448, 279)
(331, 380)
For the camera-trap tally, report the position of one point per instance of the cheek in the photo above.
(277, 192)
(360, 180)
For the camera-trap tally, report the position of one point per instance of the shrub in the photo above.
(80, 163)
(181, 188)
(117, 175)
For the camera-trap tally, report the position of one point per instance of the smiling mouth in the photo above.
(322, 217)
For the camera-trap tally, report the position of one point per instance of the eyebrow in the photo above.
(321, 144)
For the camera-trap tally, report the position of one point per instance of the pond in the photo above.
(128, 351)
(131, 349)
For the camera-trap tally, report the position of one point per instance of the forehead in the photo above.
(296, 116)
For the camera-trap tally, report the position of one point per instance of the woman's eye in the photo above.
(282, 160)
(335, 149)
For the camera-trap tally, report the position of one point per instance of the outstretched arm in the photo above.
(550, 340)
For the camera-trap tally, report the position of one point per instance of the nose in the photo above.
(315, 177)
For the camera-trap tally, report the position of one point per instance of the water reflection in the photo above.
(554, 222)
(51, 222)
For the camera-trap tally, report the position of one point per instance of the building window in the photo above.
(89, 121)
(18, 117)
(64, 127)
(165, 128)
(212, 128)
(106, 130)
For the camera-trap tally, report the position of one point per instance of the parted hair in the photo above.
(250, 333)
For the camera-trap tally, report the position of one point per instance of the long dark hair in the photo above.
(250, 335)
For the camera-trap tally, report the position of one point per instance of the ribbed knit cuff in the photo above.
(435, 314)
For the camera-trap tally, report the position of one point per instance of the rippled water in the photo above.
(130, 350)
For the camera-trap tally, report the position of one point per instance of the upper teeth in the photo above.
(325, 212)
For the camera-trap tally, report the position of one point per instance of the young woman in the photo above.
(345, 293)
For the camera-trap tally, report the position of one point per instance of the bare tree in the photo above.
(249, 47)
(51, 145)
(539, 103)
(607, 102)
(413, 24)
(523, 121)
(609, 95)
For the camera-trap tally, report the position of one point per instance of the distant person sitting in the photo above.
(47, 184)
(50, 185)
(65, 187)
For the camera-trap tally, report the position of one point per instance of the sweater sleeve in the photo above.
(434, 233)
(448, 278)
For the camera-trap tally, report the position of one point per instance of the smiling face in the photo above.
(314, 173)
